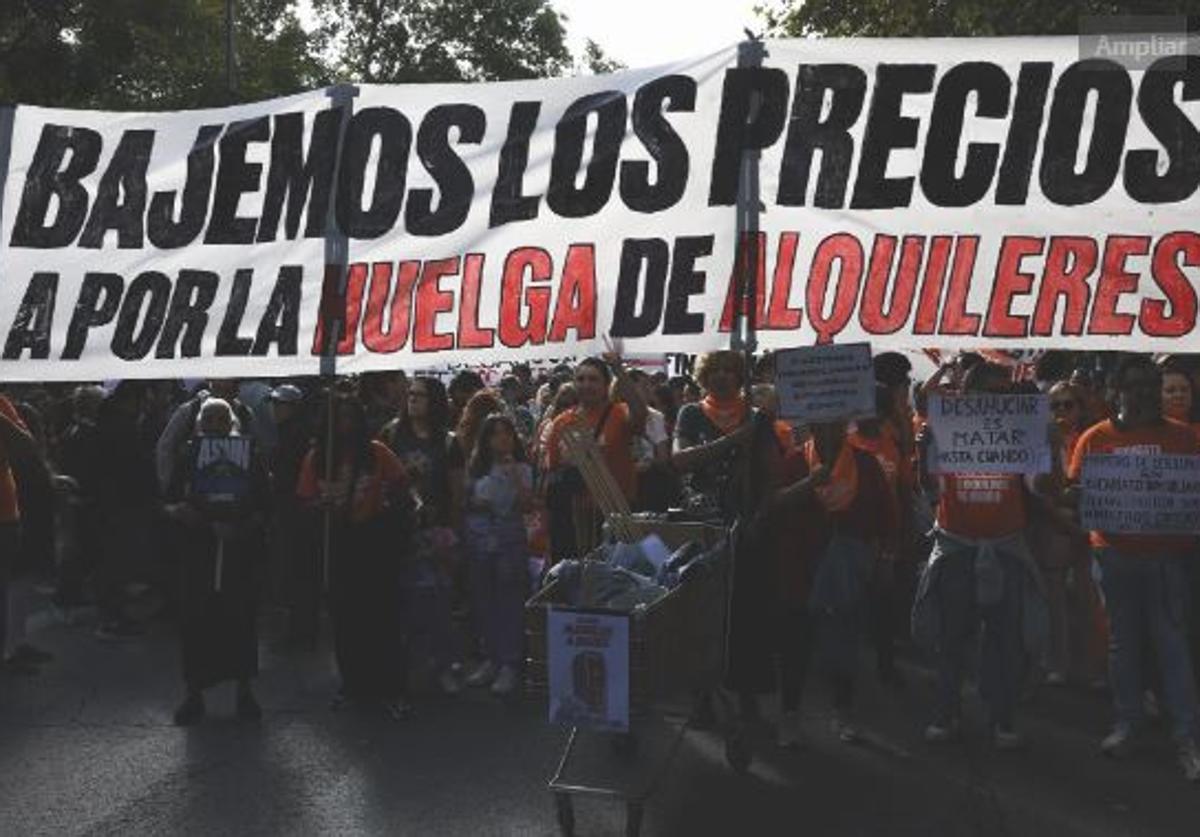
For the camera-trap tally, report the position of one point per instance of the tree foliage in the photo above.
(149, 53)
(945, 18)
(170, 54)
(443, 40)
(596, 61)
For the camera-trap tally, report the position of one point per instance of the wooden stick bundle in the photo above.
(587, 456)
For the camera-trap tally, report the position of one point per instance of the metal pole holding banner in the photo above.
(745, 322)
(749, 208)
(8, 114)
(337, 257)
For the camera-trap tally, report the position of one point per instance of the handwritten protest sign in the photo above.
(1144, 493)
(989, 433)
(588, 657)
(825, 383)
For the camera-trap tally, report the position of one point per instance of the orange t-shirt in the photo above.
(366, 497)
(785, 436)
(979, 506)
(10, 509)
(1106, 437)
(616, 440)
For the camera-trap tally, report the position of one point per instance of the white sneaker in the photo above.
(506, 681)
(1007, 739)
(1189, 759)
(845, 730)
(789, 734)
(449, 682)
(940, 732)
(484, 674)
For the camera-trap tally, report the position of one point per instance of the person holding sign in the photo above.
(1143, 574)
(980, 569)
(218, 496)
(841, 491)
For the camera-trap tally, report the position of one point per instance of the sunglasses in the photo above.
(1063, 405)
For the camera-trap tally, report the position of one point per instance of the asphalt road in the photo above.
(87, 747)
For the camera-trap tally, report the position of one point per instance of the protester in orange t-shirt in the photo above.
(876, 437)
(1143, 575)
(978, 571)
(367, 507)
(15, 442)
(13, 434)
(610, 424)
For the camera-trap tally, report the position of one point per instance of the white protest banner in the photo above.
(914, 195)
(1142, 493)
(588, 662)
(825, 383)
(989, 433)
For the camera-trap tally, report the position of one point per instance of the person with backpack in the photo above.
(219, 499)
(175, 436)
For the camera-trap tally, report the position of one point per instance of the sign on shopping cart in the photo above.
(588, 662)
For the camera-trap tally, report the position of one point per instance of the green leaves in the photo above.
(170, 54)
(945, 18)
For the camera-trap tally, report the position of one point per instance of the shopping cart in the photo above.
(677, 650)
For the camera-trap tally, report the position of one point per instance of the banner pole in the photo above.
(337, 252)
(8, 115)
(749, 207)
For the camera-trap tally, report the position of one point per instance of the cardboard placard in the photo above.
(989, 433)
(588, 658)
(1141, 493)
(825, 383)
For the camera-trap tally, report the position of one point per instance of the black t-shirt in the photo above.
(715, 490)
(429, 464)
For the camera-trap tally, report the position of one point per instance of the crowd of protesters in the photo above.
(421, 513)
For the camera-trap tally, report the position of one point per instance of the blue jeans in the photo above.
(1148, 592)
(1001, 656)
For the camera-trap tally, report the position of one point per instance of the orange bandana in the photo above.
(837, 494)
(727, 414)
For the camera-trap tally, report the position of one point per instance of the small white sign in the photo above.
(1141, 493)
(588, 657)
(825, 383)
(989, 433)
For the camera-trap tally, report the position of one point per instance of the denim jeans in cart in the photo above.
(1148, 593)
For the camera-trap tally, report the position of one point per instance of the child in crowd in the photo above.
(500, 492)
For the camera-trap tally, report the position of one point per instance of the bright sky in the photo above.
(641, 33)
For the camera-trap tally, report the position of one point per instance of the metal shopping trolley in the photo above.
(676, 656)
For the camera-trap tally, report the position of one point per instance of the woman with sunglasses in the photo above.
(1064, 558)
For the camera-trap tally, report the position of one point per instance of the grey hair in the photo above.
(220, 404)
